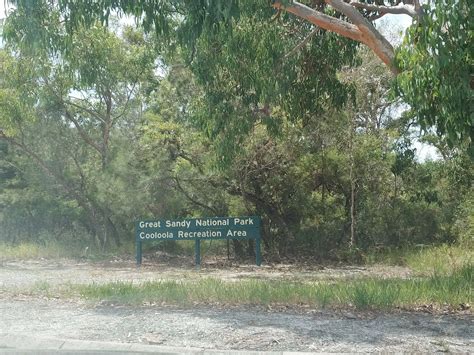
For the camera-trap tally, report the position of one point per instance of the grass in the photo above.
(426, 260)
(452, 290)
(444, 276)
(28, 251)
(441, 259)
(54, 250)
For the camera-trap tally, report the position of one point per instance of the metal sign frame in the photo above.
(197, 229)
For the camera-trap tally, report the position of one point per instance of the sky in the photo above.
(2, 8)
(391, 26)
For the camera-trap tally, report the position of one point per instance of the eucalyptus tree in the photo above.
(92, 95)
(433, 66)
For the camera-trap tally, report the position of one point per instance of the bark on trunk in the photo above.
(360, 30)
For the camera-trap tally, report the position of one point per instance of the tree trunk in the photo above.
(352, 240)
(82, 201)
(238, 249)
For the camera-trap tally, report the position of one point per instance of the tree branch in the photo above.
(125, 107)
(81, 131)
(85, 109)
(301, 44)
(370, 36)
(322, 20)
(418, 8)
(396, 10)
(42, 164)
(361, 30)
(193, 200)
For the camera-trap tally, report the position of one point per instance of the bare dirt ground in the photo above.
(240, 328)
(20, 274)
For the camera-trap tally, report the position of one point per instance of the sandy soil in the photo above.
(27, 273)
(242, 328)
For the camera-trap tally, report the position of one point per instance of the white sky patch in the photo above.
(127, 20)
(3, 12)
(393, 27)
(425, 152)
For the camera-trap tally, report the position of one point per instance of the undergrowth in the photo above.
(32, 251)
(443, 276)
(427, 260)
(441, 289)
(28, 251)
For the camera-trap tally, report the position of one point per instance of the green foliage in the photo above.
(252, 77)
(74, 130)
(231, 37)
(34, 27)
(436, 64)
(34, 24)
(15, 103)
(463, 226)
(12, 111)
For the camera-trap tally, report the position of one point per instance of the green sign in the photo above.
(198, 229)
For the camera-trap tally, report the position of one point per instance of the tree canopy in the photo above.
(434, 64)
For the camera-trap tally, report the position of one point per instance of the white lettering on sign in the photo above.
(156, 235)
(243, 221)
(203, 234)
(231, 233)
(155, 224)
(180, 224)
(211, 222)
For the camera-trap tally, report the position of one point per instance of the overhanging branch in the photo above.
(400, 9)
(370, 36)
(360, 30)
(322, 20)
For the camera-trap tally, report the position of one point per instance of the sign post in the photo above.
(197, 229)
(138, 244)
(197, 252)
(258, 256)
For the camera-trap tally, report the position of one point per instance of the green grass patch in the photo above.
(428, 260)
(441, 259)
(452, 289)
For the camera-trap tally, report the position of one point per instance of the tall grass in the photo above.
(55, 250)
(27, 251)
(452, 289)
(441, 259)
